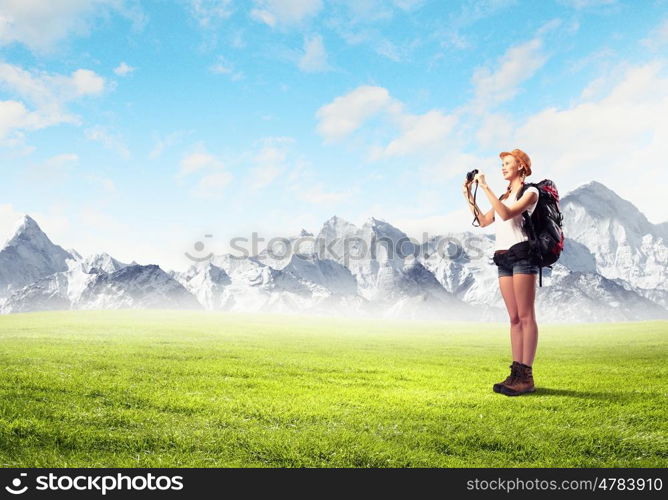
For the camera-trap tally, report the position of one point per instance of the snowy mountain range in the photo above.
(613, 268)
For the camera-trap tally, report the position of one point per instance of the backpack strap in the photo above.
(534, 249)
(521, 191)
(524, 187)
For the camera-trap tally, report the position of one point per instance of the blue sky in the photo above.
(136, 127)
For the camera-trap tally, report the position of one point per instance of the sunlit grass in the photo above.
(171, 389)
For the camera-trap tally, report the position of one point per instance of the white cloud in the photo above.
(61, 160)
(215, 177)
(15, 117)
(87, 82)
(107, 139)
(50, 90)
(388, 49)
(549, 26)
(598, 57)
(518, 64)
(658, 37)
(284, 12)
(38, 88)
(198, 160)
(270, 161)
(48, 93)
(123, 69)
(40, 24)
(162, 143)
(347, 113)
(264, 16)
(221, 66)
(419, 132)
(315, 55)
(209, 12)
(212, 185)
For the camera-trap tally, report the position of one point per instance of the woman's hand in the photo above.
(480, 177)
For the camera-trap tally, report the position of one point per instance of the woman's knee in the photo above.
(527, 317)
(514, 319)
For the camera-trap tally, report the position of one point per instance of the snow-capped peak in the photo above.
(335, 221)
(334, 228)
(28, 256)
(29, 234)
(25, 229)
(381, 227)
(616, 236)
(75, 255)
(102, 262)
(600, 202)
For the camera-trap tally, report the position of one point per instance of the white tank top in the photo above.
(509, 232)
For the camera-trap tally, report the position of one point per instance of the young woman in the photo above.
(518, 285)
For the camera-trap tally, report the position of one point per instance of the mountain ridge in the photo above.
(29, 255)
(613, 266)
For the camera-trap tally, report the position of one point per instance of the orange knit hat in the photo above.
(521, 157)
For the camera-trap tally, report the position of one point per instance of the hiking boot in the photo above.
(522, 384)
(514, 371)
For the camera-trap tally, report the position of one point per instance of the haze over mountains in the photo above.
(613, 268)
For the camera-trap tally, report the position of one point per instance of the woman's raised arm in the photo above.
(506, 212)
(483, 219)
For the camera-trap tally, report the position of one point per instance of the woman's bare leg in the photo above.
(508, 294)
(525, 294)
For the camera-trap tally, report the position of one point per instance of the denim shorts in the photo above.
(522, 266)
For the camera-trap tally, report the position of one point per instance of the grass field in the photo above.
(195, 389)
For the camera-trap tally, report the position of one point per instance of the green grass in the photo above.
(194, 389)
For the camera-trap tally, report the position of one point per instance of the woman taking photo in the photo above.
(517, 283)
